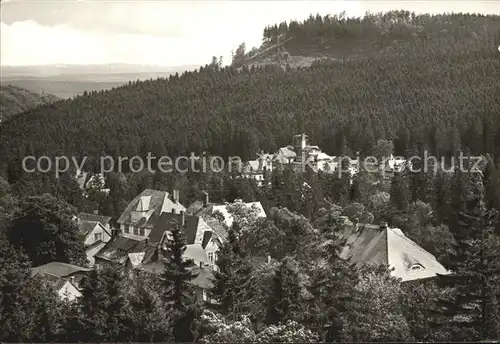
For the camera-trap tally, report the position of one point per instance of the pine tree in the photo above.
(414, 176)
(332, 294)
(284, 298)
(149, 323)
(104, 312)
(356, 195)
(341, 183)
(426, 191)
(400, 195)
(492, 187)
(232, 279)
(14, 273)
(468, 310)
(178, 292)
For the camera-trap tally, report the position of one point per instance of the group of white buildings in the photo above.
(301, 154)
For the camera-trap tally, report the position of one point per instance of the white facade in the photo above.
(68, 292)
(98, 233)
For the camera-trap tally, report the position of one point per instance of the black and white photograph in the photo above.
(243, 171)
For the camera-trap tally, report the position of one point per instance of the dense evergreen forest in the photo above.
(14, 100)
(436, 83)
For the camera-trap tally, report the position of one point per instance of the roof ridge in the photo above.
(411, 242)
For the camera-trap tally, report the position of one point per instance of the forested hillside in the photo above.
(14, 100)
(437, 85)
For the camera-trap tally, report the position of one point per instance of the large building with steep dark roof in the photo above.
(381, 245)
(193, 227)
(144, 211)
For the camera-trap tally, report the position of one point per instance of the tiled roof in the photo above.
(104, 220)
(369, 244)
(284, 154)
(118, 248)
(197, 208)
(55, 282)
(168, 221)
(59, 269)
(86, 227)
(219, 228)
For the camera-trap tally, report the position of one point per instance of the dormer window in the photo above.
(416, 267)
(144, 203)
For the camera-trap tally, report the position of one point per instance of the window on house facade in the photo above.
(211, 257)
(142, 231)
(127, 229)
(97, 236)
(136, 231)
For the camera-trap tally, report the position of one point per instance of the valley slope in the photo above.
(14, 100)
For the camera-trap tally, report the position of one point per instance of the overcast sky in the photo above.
(169, 33)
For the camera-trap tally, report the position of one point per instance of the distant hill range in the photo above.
(14, 100)
(66, 81)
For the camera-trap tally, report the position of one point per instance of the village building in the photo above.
(87, 181)
(259, 168)
(381, 245)
(94, 231)
(136, 256)
(64, 278)
(202, 242)
(206, 208)
(143, 212)
(129, 252)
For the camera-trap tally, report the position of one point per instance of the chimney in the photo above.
(183, 219)
(72, 279)
(205, 199)
(201, 265)
(175, 195)
(383, 225)
(268, 259)
(159, 255)
(116, 232)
